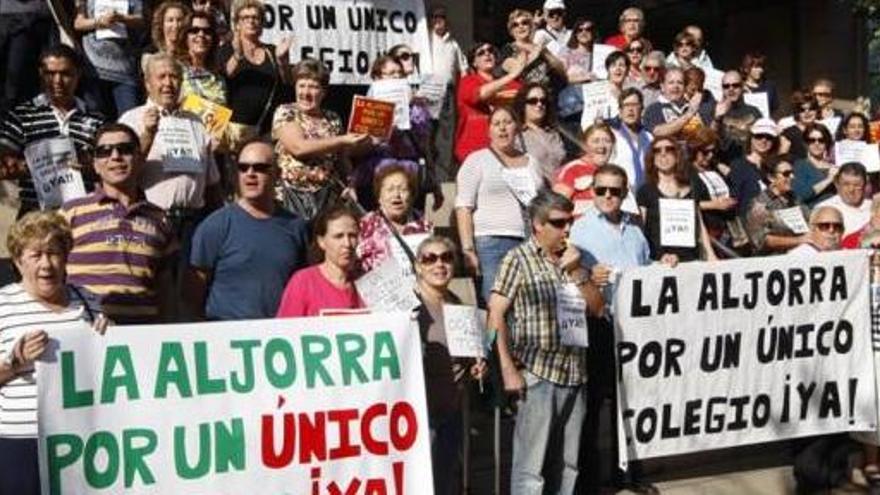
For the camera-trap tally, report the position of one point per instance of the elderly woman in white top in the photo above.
(494, 186)
(29, 311)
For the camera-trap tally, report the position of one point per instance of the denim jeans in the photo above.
(490, 251)
(546, 438)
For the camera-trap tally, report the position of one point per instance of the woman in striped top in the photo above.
(29, 311)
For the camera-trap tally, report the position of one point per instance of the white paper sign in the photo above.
(849, 150)
(678, 226)
(51, 164)
(412, 242)
(522, 183)
(117, 30)
(465, 330)
(384, 289)
(713, 83)
(760, 101)
(571, 315)
(269, 406)
(395, 91)
(715, 355)
(433, 89)
(600, 53)
(177, 141)
(599, 103)
(793, 218)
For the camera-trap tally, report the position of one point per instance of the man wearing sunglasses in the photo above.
(850, 183)
(548, 376)
(244, 253)
(733, 117)
(121, 241)
(553, 34)
(826, 231)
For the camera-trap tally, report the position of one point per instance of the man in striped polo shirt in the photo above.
(121, 241)
(54, 113)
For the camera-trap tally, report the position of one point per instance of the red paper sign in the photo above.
(373, 117)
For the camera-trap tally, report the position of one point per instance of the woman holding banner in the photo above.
(312, 148)
(31, 309)
(395, 187)
(540, 137)
(777, 221)
(444, 374)
(328, 285)
(494, 186)
(668, 204)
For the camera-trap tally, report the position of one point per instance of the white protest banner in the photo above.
(849, 150)
(599, 103)
(348, 35)
(299, 406)
(760, 101)
(678, 222)
(873, 437)
(432, 88)
(412, 242)
(745, 351)
(395, 91)
(600, 53)
(713, 83)
(51, 164)
(385, 288)
(793, 218)
(465, 328)
(571, 315)
(177, 140)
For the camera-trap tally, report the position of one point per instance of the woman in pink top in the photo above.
(330, 284)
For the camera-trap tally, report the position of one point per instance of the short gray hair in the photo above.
(656, 56)
(436, 239)
(546, 201)
(153, 59)
(814, 215)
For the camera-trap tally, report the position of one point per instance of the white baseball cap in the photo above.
(764, 126)
(554, 5)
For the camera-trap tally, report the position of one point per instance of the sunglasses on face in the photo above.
(826, 94)
(200, 30)
(585, 29)
(431, 258)
(808, 109)
(634, 49)
(664, 149)
(651, 68)
(484, 51)
(560, 223)
(731, 85)
(835, 227)
(763, 137)
(106, 150)
(259, 167)
(785, 173)
(536, 100)
(685, 43)
(556, 13)
(814, 139)
(615, 192)
(519, 24)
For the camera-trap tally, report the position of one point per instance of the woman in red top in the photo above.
(478, 92)
(575, 179)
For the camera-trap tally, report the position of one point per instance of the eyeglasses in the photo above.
(634, 49)
(786, 173)
(835, 227)
(731, 85)
(808, 109)
(106, 150)
(536, 100)
(404, 56)
(584, 29)
(652, 68)
(685, 43)
(484, 51)
(766, 137)
(616, 192)
(707, 151)
(812, 140)
(631, 19)
(664, 149)
(826, 94)
(200, 30)
(259, 167)
(431, 258)
(519, 24)
(560, 223)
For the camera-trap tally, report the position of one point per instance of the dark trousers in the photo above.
(19, 468)
(601, 386)
(22, 38)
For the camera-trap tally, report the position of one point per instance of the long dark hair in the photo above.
(682, 170)
(519, 104)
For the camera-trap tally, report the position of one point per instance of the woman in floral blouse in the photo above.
(395, 189)
(312, 149)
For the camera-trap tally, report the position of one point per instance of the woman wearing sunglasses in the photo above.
(539, 137)
(201, 75)
(541, 65)
(684, 51)
(494, 186)
(668, 204)
(478, 92)
(776, 220)
(635, 51)
(814, 174)
(717, 202)
(791, 139)
(445, 376)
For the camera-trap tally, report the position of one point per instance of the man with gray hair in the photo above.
(826, 231)
(544, 292)
(653, 67)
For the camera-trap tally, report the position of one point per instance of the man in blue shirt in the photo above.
(244, 253)
(610, 241)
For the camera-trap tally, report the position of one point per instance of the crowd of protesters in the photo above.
(280, 215)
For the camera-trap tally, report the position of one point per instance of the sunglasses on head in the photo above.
(616, 192)
(560, 223)
(431, 258)
(200, 30)
(259, 167)
(835, 227)
(106, 150)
